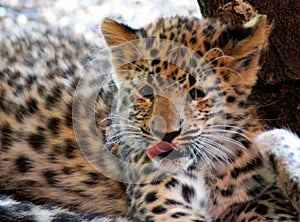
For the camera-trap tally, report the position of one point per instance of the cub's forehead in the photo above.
(196, 46)
(181, 28)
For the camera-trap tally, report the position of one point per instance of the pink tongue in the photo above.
(160, 147)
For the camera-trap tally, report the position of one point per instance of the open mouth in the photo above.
(161, 149)
(167, 157)
(165, 154)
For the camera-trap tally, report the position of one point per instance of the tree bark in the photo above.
(277, 92)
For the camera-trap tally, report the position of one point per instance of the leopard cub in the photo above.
(156, 128)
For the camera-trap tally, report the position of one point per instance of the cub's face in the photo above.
(182, 89)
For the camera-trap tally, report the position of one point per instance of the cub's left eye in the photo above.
(147, 92)
(196, 94)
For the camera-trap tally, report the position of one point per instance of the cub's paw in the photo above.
(282, 148)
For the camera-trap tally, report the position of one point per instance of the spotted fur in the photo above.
(85, 137)
(40, 161)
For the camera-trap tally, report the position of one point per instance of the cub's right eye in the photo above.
(147, 92)
(197, 94)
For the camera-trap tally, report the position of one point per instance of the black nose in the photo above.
(168, 137)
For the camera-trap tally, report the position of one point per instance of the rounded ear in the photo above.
(116, 33)
(245, 44)
(249, 38)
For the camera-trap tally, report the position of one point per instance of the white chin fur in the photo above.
(172, 165)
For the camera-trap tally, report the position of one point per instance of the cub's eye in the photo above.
(147, 92)
(196, 94)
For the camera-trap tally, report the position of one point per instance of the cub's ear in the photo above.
(116, 33)
(248, 38)
(245, 44)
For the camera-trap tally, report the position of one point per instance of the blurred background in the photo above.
(84, 16)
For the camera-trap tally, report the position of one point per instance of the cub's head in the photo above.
(183, 85)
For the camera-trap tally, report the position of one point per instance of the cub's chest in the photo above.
(189, 190)
(182, 195)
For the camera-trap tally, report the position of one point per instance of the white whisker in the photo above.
(227, 139)
(199, 153)
(227, 131)
(227, 126)
(176, 82)
(215, 152)
(226, 68)
(112, 48)
(217, 145)
(125, 126)
(217, 58)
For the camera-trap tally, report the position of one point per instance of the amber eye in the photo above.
(147, 92)
(196, 94)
